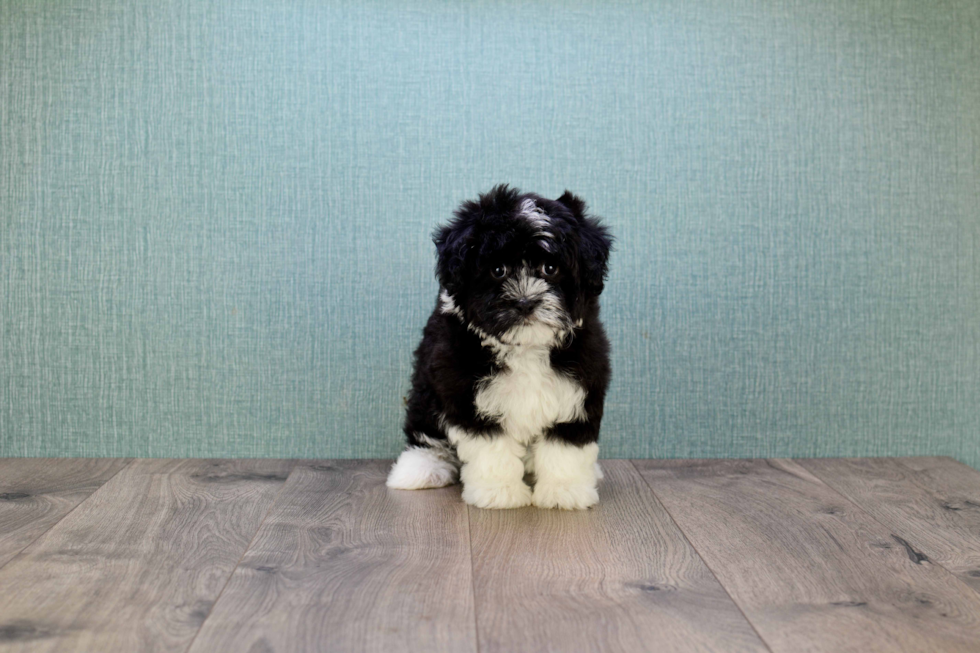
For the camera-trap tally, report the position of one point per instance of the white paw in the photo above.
(515, 495)
(567, 496)
(418, 468)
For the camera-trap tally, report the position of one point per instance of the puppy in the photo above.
(512, 371)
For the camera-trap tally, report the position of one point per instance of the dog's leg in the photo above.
(566, 475)
(493, 470)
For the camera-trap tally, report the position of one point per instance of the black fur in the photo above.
(450, 361)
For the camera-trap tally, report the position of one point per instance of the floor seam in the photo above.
(701, 558)
(295, 465)
(891, 531)
(476, 620)
(73, 509)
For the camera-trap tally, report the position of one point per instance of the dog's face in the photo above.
(521, 268)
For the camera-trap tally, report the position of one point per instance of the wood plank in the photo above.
(343, 563)
(932, 503)
(36, 492)
(137, 566)
(618, 577)
(812, 571)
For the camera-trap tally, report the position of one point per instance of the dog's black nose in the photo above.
(526, 306)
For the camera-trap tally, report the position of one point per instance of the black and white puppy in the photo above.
(511, 374)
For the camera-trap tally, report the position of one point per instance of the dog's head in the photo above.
(521, 268)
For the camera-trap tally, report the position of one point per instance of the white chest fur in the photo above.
(529, 395)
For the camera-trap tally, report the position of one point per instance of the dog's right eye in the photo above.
(499, 272)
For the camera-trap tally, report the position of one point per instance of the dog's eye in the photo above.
(549, 269)
(499, 272)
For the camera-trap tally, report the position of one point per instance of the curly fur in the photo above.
(511, 374)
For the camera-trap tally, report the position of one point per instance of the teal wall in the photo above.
(216, 215)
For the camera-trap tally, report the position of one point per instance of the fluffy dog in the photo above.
(511, 374)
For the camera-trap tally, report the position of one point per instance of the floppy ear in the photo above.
(452, 242)
(594, 245)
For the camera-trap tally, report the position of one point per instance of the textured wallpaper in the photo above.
(215, 215)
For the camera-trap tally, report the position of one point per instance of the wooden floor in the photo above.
(270, 555)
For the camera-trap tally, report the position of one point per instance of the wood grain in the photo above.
(137, 566)
(344, 564)
(36, 492)
(812, 571)
(932, 503)
(619, 577)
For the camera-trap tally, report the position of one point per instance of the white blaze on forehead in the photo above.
(539, 220)
(530, 212)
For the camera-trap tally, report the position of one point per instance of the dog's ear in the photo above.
(452, 243)
(594, 245)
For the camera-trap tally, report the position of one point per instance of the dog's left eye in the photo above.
(499, 272)
(549, 269)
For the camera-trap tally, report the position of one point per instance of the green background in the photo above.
(216, 216)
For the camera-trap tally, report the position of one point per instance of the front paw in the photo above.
(567, 496)
(516, 495)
